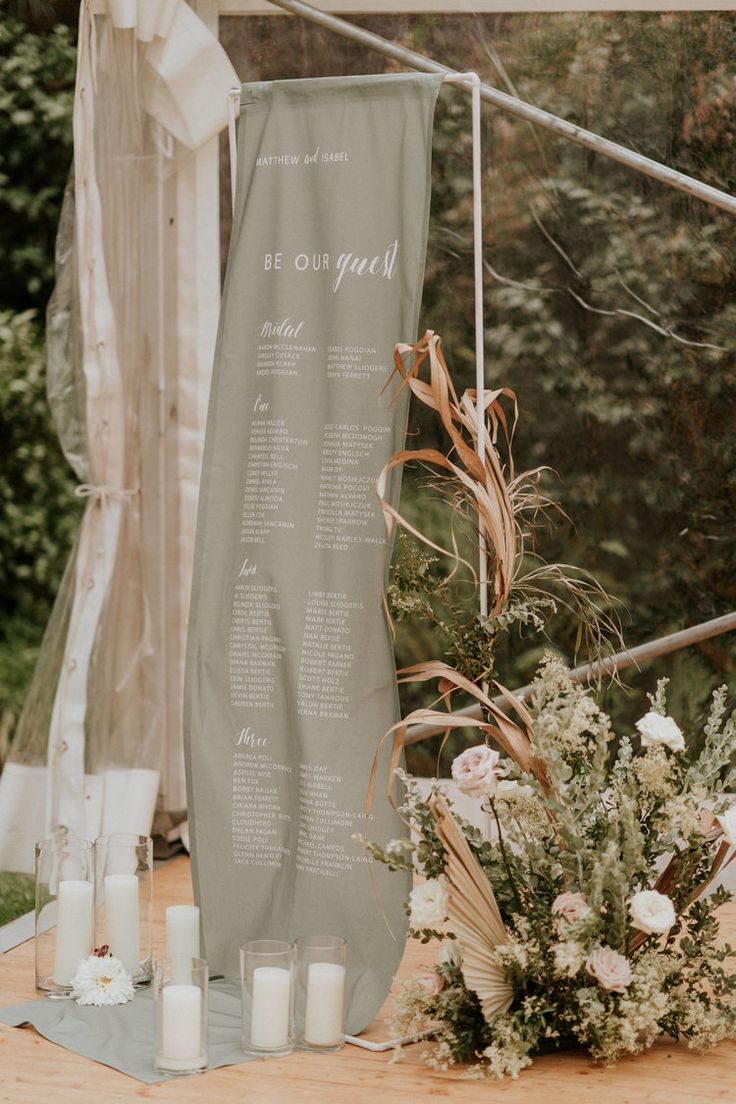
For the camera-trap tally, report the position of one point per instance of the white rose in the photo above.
(656, 729)
(428, 903)
(609, 968)
(727, 822)
(451, 953)
(477, 771)
(651, 912)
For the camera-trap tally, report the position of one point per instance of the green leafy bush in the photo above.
(36, 91)
(37, 505)
(38, 511)
(17, 896)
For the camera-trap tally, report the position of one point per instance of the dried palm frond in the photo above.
(502, 507)
(474, 915)
(515, 739)
(478, 480)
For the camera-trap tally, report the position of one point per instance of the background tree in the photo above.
(38, 511)
(609, 304)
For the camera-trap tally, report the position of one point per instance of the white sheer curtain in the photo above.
(131, 330)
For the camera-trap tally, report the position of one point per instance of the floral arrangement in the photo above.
(583, 919)
(582, 916)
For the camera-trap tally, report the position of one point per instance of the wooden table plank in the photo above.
(35, 1071)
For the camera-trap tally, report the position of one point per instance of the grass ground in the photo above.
(17, 896)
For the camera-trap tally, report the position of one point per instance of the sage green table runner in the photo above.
(290, 673)
(123, 1036)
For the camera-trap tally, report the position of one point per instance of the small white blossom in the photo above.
(398, 849)
(569, 958)
(102, 980)
(451, 953)
(727, 822)
(655, 729)
(477, 771)
(428, 903)
(651, 912)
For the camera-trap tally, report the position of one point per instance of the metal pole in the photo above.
(233, 110)
(480, 365)
(473, 81)
(651, 650)
(514, 106)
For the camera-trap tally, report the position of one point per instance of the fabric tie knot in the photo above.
(101, 491)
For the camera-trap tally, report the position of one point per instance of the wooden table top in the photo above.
(35, 1070)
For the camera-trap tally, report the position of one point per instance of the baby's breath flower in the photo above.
(521, 804)
(654, 772)
(569, 958)
(514, 953)
(680, 815)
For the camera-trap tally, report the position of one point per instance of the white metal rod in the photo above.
(653, 649)
(480, 366)
(473, 80)
(522, 110)
(233, 108)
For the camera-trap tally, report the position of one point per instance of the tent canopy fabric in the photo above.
(99, 740)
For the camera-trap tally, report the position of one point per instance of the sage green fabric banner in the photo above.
(290, 678)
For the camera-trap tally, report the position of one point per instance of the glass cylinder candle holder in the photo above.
(319, 1003)
(124, 902)
(180, 1012)
(65, 917)
(267, 983)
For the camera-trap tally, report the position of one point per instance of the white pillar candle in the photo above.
(181, 1028)
(324, 1017)
(122, 920)
(74, 928)
(182, 939)
(123, 13)
(271, 1008)
(182, 931)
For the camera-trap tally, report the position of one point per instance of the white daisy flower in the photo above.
(102, 980)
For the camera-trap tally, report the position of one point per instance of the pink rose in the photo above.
(609, 968)
(571, 907)
(477, 771)
(429, 982)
